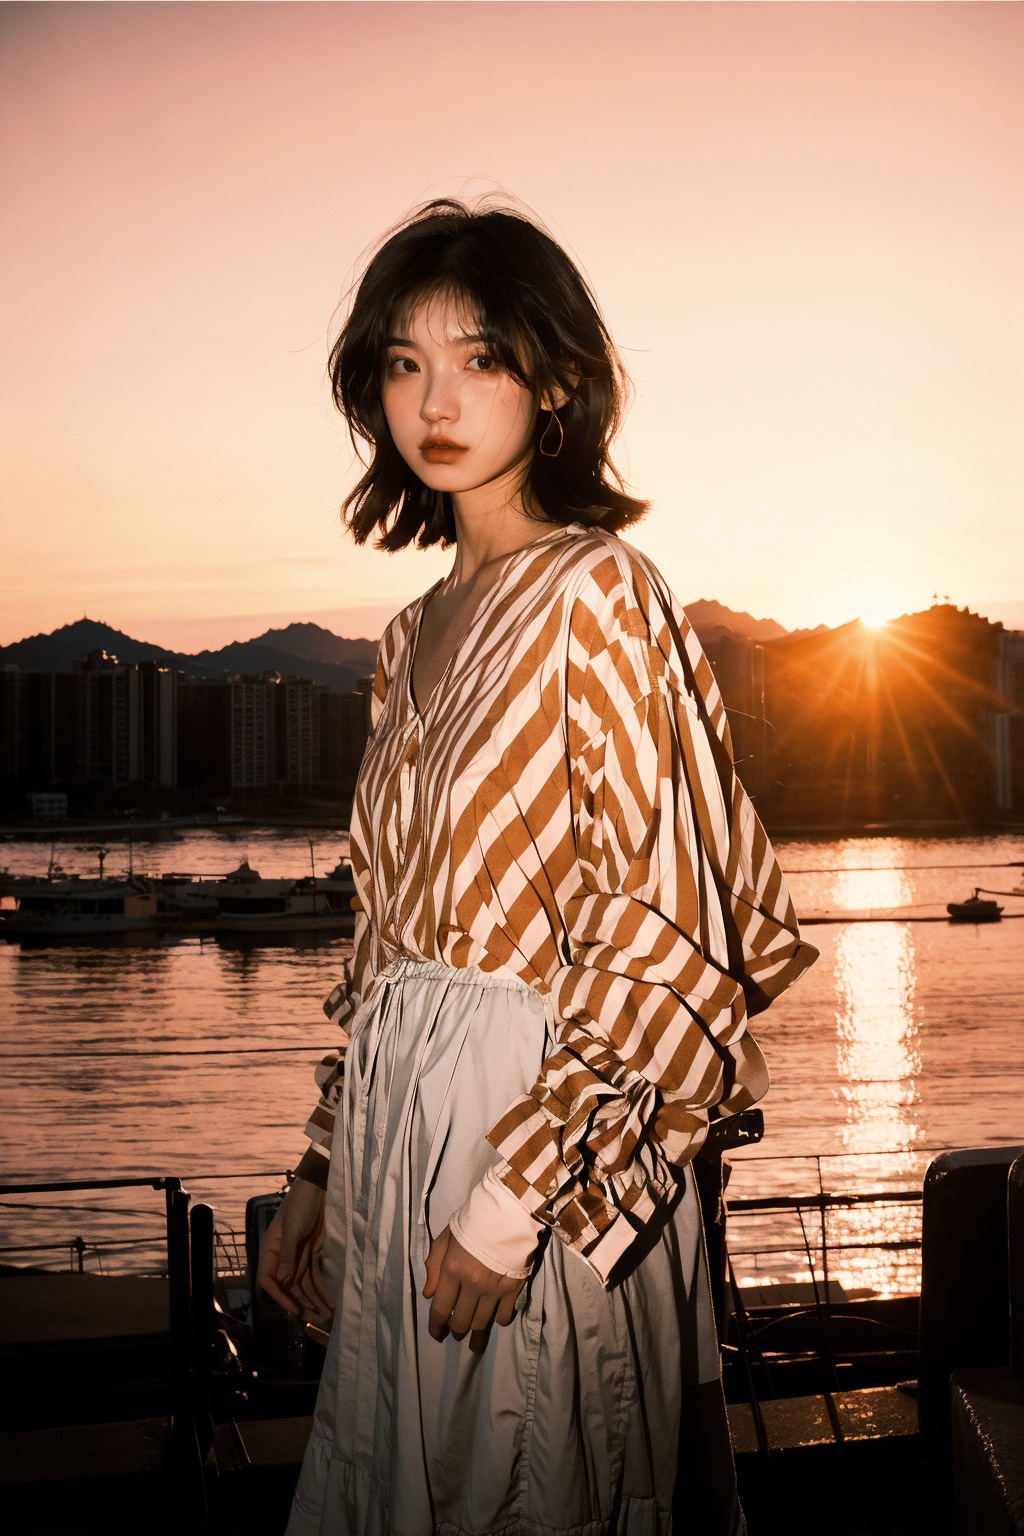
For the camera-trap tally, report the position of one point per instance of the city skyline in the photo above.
(918, 719)
(803, 223)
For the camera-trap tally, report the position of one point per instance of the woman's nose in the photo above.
(439, 402)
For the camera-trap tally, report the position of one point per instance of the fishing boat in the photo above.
(79, 908)
(57, 906)
(976, 909)
(247, 903)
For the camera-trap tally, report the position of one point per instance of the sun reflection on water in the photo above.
(855, 890)
(879, 1063)
(877, 1039)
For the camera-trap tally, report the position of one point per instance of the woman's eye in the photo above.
(401, 365)
(483, 362)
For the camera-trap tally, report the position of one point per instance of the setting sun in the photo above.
(874, 594)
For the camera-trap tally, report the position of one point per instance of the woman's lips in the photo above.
(441, 450)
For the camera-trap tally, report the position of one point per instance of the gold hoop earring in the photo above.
(546, 453)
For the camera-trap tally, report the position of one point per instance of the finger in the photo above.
(435, 1258)
(281, 1296)
(506, 1309)
(268, 1275)
(484, 1314)
(301, 1270)
(442, 1306)
(316, 1302)
(464, 1311)
(478, 1340)
(286, 1259)
(306, 1292)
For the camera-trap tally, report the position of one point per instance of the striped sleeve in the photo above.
(344, 999)
(339, 1007)
(678, 926)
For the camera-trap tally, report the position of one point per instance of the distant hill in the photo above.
(314, 643)
(298, 650)
(254, 658)
(302, 650)
(72, 642)
(707, 616)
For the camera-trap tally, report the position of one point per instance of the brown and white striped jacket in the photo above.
(565, 809)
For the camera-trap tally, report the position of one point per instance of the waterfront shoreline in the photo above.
(42, 832)
(50, 831)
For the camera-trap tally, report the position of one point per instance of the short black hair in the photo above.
(541, 321)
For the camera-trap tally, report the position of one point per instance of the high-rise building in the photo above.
(298, 732)
(342, 737)
(253, 733)
(204, 735)
(159, 688)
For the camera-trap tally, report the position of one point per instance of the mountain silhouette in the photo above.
(707, 615)
(297, 650)
(300, 650)
(57, 651)
(314, 643)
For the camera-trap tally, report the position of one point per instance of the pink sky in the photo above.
(804, 223)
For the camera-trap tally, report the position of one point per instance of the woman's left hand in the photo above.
(467, 1296)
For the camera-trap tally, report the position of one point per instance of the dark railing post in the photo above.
(189, 1486)
(711, 1176)
(1015, 1257)
(708, 1172)
(202, 1317)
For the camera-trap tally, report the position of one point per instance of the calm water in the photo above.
(905, 1037)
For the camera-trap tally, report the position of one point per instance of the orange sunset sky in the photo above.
(803, 221)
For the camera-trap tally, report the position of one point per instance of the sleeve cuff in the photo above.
(609, 1248)
(496, 1229)
(314, 1166)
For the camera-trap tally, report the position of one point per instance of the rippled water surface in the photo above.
(183, 1056)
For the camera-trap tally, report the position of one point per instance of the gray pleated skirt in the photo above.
(568, 1424)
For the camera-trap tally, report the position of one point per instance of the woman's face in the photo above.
(457, 418)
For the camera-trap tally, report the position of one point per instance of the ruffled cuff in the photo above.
(746, 1076)
(495, 1228)
(603, 1255)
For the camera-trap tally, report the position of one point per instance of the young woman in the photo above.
(567, 909)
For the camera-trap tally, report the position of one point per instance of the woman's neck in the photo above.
(490, 523)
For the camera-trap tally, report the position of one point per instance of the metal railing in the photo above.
(190, 1268)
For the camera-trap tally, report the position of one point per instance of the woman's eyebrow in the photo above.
(459, 341)
(455, 341)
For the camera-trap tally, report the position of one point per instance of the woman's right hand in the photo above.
(291, 1255)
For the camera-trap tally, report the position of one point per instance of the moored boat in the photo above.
(58, 906)
(246, 903)
(77, 908)
(976, 909)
